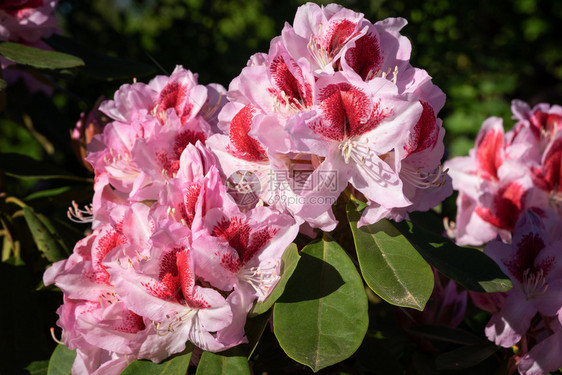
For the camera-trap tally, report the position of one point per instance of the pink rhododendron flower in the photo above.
(533, 265)
(27, 20)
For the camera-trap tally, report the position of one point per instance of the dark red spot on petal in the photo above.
(241, 144)
(240, 236)
(549, 176)
(191, 196)
(187, 282)
(132, 323)
(346, 112)
(489, 154)
(425, 133)
(506, 208)
(365, 58)
(337, 35)
(104, 244)
(175, 95)
(170, 160)
(297, 91)
(524, 259)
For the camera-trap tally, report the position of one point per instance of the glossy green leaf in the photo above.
(45, 236)
(176, 365)
(469, 267)
(390, 264)
(289, 262)
(23, 166)
(99, 65)
(465, 357)
(232, 361)
(321, 318)
(61, 361)
(37, 57)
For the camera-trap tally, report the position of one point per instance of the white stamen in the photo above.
(78, 215)
(534, 283)
(55, 339)
(261, 278)
(360, 154)
(424, 180)
(318, 53)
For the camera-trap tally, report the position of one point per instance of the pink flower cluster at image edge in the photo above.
(173, 257)
(510, 200)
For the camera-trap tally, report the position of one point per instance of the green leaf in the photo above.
(3, 84)
(465, 357)
(322, 316)
(23, 166)
(232, 361)
(390, 265)
(99, 65)
(254, 328)
(37, 57)
(176, 365)
(61, 361)
(289, 261)
(47, 239)
(469, 267)
(38, 367)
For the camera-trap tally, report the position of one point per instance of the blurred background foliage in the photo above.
(481, 53)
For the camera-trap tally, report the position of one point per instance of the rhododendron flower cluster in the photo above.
(531, 313)
(510, 198)
(175, 255)
(171, 258)
(335, 103)
(506, 173)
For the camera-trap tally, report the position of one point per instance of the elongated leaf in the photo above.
(61, 361)
(289, 261)
(174, 366)
(38, 367)
(45, 236)
(468, 266)
(390, 264)
(3, 84)
(23, 166)
(38, 58)
(321, 318)
(465, 357)
(99, 65)
(231, 362)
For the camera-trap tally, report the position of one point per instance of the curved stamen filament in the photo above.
(78, 215)
(534, 283)
(424, 180)
(261, 278)
(361, 155)
(318, 53)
